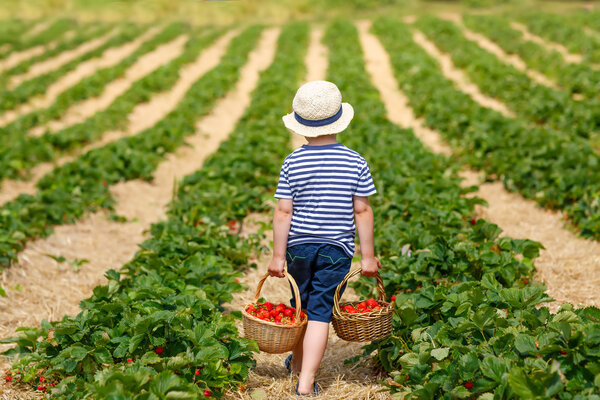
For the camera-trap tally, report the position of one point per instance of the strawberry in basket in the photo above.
(363, 307)
(280, 314)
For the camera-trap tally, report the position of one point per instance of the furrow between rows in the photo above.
(109, 58)
(60, 60)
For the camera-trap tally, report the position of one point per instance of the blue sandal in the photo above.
(288, 363)
(315, 392)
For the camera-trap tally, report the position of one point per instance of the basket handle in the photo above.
(294, 289)
(356, 271)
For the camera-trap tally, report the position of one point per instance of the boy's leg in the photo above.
(332, 265)
(317, 333)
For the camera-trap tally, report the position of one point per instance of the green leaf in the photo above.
(440, 353)
(525, 344)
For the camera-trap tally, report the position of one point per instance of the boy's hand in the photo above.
(370, 266)
(276, 267)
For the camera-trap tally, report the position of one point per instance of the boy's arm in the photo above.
(363, 214)
(282, 220)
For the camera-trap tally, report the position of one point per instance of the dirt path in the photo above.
(527, 35)
(510, 59)
(109, 58)
(269, 378)
(37, 28)
(143, 66)
(106, 244)
(17, 57)
(457, 76)
(137, 120)
(570, 265)
(61, 59)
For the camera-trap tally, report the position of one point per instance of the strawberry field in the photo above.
(127, 203)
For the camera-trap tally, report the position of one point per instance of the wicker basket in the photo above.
(362, 327)
(270, 336)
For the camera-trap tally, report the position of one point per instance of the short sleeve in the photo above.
(284, 191)
(365, 186)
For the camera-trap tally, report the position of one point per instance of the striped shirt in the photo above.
(321, 181)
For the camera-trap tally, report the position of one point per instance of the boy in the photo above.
(323, 188)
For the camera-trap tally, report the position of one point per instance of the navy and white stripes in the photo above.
(321, 181)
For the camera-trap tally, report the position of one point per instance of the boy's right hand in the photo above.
(276, 267)
(370, 266)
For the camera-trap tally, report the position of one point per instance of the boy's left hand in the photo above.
(276, 267)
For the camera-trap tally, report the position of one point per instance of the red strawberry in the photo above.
(526, 281)
(274, 313)
(129, 360)
(159, 350)
(269, 306)
(197, 372)
(393, 298)
(8, 378)
(42, 388)
(288, 313)
(250, 309)
(563, 352)
(469, 385)
(207, 393)
(473, 221)
(372, 302)
(104, 183)
(278, 318)
(42, 379)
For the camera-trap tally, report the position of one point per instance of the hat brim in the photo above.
(342, 123)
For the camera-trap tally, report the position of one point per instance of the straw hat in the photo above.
(318, 110)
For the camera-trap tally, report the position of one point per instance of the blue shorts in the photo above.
(317, 268)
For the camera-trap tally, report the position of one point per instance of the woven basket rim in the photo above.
(372, 315)
(252, 318)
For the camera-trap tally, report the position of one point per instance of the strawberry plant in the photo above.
(11, 98)
(133, 157)
(465, 324)
(559, 29)
(21, 152)
(168, 299)
(11, 33)
(538, 103)
(577, 78)
(556, 171)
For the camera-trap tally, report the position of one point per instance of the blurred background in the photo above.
(232, 11)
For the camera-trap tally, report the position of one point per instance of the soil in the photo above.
(12, 188)
(60, 60)
(108, 58)
(550, 46)
(143, 66)
(457, 76)
(17, 57)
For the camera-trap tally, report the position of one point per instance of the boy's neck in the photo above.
(322, 140)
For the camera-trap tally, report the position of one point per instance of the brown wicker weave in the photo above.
(362, 327)
(270, 336)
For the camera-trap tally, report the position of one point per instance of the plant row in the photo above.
(156, 329)
(23, 152)
(557, 171)
(465, 322)
(539, 103)
(82, 35)
(11, 98)
(557, 28)
(577, 78)
(11, 31)
(68, 191)
(52, 32)
(19, 151)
